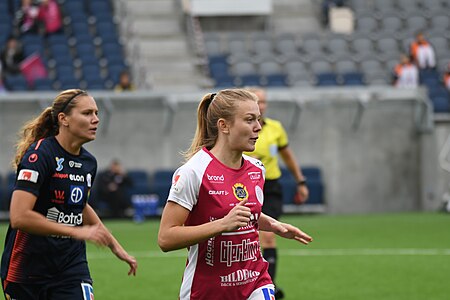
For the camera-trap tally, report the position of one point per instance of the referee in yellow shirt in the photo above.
(272, 141)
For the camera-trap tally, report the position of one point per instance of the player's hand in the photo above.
(97, 234)
(290, 232)
(302, 194)
(238, 217)
(130, 260)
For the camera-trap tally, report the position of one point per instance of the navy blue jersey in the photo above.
(61, 182)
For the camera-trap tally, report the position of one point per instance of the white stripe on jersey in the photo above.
(189, 272)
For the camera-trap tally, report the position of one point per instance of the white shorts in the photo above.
(266, 292)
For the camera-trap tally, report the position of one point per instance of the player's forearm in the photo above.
(35, 223)
(90, 217)
(264, 222)
(178, 237)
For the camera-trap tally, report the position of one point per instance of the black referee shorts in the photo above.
(273, 199)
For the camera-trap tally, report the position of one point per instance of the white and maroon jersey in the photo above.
(230, 265)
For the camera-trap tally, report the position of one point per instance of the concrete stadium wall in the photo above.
(374, 153)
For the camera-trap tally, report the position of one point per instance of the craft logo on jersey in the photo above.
(88, 291)
(240, 192)
(59, 163)
(76, 194)
(74, 164)
(33, 158)
(28, 175)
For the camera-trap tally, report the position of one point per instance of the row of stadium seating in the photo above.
(159, 183)
(87, 54)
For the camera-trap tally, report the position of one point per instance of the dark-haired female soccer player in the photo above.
(50, 218)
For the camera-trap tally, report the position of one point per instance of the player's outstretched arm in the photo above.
(91, 218)
(287, 231)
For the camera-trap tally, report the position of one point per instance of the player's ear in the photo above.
(223, 126)
(62, 119)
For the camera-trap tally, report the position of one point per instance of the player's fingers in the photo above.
(243, 202)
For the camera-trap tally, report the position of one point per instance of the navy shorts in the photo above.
(273, 199)
(66, 289)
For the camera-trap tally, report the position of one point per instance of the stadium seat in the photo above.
(440, 104)
(140, 182)
(275, 80)
(352, 79)
(249, 80)
(161, 183)
(43, 84)
(314, 182)
(327, 79)
(16, 83)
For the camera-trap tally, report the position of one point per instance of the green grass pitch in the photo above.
(362, 257)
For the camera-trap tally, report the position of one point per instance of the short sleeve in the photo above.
(283, 140)
(185, 187)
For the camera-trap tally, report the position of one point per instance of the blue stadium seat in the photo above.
(225, 81)
(314, 182)
(140, 182)
(276, 80)
(355, 78)
(440, 104)
(249, 80)
(161, 183)
(327, 79)
(16, 83)
(43, 84)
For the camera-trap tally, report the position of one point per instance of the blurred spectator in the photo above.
(112, 188)
(125, 83)
(26, 18)
(11, 57)
(50, 16)
(406, 74)
(447, 77)
(422, 52)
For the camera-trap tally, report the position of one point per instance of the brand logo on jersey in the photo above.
(59, 163)
(240, 191)
(28, 175)
(177, 184)
(53, 214)
(76, 177)
(74, 164)
(89, 180)
(216, 178)
(220, 193)
(239, 277)
(254, 175)
(33, 158)
(88, 291)
(209, 257)
(59, 195)
(76, 195)
(231, 253)
(269, 294)
(60, 175)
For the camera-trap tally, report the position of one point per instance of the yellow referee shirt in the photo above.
(272, 137)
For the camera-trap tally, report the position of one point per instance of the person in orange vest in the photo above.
(406, 74)
(422, 52)
(447, 77)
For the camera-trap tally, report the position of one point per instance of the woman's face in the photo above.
(82, 121)
(243, 131)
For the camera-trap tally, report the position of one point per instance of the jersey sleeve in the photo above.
(283, 140)
(32, 171)
(185, 187)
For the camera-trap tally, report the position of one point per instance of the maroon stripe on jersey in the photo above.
(17, 257)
